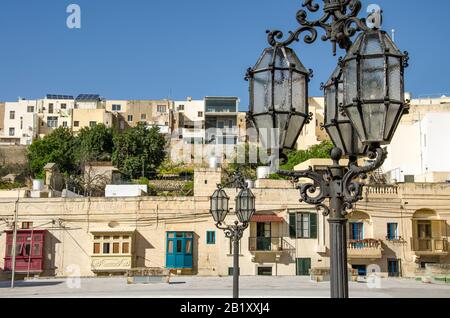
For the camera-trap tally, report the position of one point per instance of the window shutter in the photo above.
(292, 225)
(313, 225)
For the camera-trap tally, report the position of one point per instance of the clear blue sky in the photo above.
(150, 49)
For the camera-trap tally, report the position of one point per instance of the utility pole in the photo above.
(14, 248)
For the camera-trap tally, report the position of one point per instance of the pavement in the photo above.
(217, 287)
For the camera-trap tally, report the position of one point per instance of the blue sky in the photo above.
(150, 49)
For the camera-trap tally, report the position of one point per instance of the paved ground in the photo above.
(199, 287)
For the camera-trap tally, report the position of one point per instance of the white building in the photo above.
(21, 122)
(55, 111)
(191, 116)
(420, 150)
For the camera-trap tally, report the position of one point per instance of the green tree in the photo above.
(139, 151)
(57, 147)
(93, 144)
(296, 157)
(246, 163)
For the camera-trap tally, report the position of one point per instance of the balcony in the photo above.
(364, 249)
(269, 245)
(429, 246)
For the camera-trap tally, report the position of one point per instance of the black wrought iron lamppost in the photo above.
(245, 208)
(364, 103)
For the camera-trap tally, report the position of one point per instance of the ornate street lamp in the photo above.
(245, 208)
(337, 124)
(364, 105)
(279, 97)
(374, 98)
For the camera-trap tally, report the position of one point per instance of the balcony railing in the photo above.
(429, 245)
(269, 244)
(369, 248)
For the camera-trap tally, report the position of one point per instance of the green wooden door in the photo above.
(303, 266)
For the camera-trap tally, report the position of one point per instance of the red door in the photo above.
(29, 251)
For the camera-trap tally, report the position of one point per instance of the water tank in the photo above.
(250, 183)
(213, 162)
(38, 185)
(263, 172)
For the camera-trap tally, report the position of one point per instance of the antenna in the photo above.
(393, 35)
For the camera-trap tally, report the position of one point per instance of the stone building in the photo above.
(396, 230)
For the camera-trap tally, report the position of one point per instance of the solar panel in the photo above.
(63, 97)
(88, 97)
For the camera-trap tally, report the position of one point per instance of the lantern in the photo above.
(245, 205)
(279, 97)
(373, 86)
(337, 124)
(219, 205)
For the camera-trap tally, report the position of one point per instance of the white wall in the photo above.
(420, 147)
(24, 122)
(435, 144)
(125, 191)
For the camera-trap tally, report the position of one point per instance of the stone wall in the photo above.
(11, 155)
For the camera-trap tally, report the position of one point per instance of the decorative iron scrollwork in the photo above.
(339, 21)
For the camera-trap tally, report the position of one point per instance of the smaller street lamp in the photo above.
(245, 208)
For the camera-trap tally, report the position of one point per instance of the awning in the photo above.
(266, 218)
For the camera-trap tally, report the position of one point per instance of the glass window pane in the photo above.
(188, 247)
(170, 247)
(125, 248)
(179, 246)
(106, 248)
(9, 250)
(96, 248)
(116, 248)
(171, 235)
(188, 235)
(36, 249)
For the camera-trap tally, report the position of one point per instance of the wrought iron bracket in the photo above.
(340, 22)
(234, 232)
(237, 180)
(337, 182)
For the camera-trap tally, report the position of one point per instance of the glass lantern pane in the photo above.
(293, 59)
(281, 60)
(392, 119)
(372, 44)
(347, 132)
(265, 60)
(350, 82)
(355, 118)
(374, 116)
(298, 92)
(265, 129)
(335, 137)
(262, 92)
(395, 82)
(282, 96)
(330, 106)
(390, 45)
(281, 122)
(372, 79)
(295, 126)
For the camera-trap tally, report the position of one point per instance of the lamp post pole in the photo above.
(245, 208)
(364, 104)
(234, 233)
